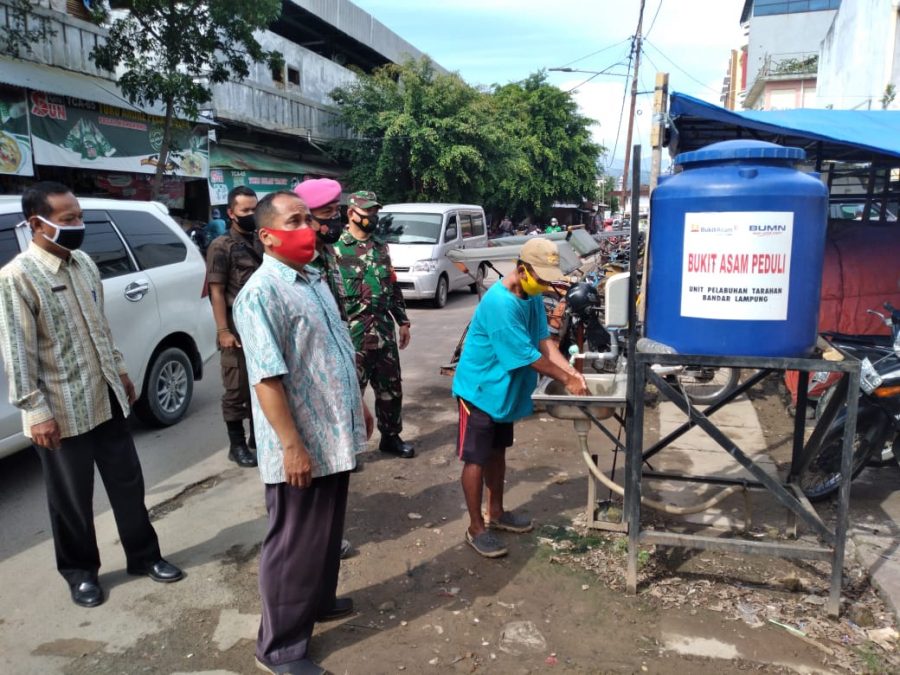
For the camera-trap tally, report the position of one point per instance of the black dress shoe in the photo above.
(301, 667)
(342, 607)
(394, 445)
(87, 594)
(240, 454)
(161, 571)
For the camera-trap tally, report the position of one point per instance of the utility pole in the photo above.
(636, 46)
(657, 136)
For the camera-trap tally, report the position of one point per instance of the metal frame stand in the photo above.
(787, 494)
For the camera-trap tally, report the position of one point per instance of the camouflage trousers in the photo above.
(381, 367)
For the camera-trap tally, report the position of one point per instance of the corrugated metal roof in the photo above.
(225, 157)
(30, 75)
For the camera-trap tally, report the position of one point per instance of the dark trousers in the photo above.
(236, 398)
(381, 367)
(69, 477)
(299, 563)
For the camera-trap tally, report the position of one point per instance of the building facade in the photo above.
(782, 58)
(62, 118)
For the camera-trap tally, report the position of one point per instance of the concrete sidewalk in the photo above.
(874, 500)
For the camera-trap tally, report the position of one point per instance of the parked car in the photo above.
(420, 235)
(155, 293)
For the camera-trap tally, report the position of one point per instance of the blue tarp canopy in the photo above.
(839, 135)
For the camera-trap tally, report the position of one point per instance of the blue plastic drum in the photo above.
(737, 241)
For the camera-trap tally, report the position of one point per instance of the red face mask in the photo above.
(297, 246)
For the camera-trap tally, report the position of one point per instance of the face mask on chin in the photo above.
(335, 227)
(297, 246)
(69, 238)
(246, 223)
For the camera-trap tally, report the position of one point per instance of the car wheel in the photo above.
(479, 280)
(168, 389)
(440, 295)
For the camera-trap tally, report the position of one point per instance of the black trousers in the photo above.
(299, 563)
(69, 477)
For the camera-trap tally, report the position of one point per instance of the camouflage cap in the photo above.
(364, 199)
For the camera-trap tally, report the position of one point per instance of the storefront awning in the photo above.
(842, 135)
(38, 77)
(240, 159)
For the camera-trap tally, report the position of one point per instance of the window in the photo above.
(293, 76)
(771, 7)
(105, 246)
(465, 224)
(451, 233)
(9, 245)
(410, 228)
(278, 74)
(152, 241)
(477, 225)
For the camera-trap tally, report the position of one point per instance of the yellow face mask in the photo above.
(530, 285)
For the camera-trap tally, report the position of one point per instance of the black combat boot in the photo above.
(394, 445)
(238, 452)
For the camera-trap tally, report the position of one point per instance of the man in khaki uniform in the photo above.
(231, 259)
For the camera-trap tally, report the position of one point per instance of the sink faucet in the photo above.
(611, 355)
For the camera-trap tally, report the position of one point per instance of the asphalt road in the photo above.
(166, 452)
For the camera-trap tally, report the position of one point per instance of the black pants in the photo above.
(299, 563)
(69, 477)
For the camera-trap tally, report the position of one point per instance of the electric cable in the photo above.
(661, 53)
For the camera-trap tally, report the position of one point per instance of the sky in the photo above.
(500, 41)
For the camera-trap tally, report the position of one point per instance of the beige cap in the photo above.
(543, 256)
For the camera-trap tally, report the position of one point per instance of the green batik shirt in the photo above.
(326, 264)
(372, 297)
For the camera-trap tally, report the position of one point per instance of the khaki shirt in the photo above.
(56, 343)
(231, 259)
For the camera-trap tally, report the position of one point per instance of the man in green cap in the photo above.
(373, 302)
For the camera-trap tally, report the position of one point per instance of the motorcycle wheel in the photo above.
(822, 477)
(708, 385)
(886, 456)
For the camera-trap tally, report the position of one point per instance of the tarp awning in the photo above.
(841, 135)
(240, 159)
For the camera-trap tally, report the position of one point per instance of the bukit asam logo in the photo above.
(712, 229)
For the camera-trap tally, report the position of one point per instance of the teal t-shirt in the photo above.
(494, 371)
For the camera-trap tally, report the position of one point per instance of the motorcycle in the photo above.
(878, 416)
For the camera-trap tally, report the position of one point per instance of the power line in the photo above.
(622, 109)
(599, 51)
(658, 7)
(702, 84)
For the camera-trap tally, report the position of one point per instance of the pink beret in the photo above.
(318, 191)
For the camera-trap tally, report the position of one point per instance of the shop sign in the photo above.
(222, 181)
(88, 135)
(15, 142)
(737, 265)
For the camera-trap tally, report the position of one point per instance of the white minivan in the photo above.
(156, 303)
(420, 235)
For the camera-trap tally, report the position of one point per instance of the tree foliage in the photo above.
(172, 51)
(421, 135)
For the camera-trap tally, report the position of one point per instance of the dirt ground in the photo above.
(427, 603)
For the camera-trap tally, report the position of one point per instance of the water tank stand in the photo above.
(786, 493)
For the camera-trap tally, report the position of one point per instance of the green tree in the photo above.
(23, 28)
(418, 135)
(550, 154)
(172, 51)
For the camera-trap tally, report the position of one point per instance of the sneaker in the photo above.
(511, 522)
(346, 549)
(486, 544)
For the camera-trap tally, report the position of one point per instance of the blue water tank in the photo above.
(737, 241)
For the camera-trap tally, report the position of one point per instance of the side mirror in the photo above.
(450, 234)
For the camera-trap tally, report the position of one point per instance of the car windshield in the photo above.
(411, 228)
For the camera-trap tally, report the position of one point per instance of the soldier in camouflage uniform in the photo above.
(373, 302)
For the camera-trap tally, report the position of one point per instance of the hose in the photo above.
(646, 501)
